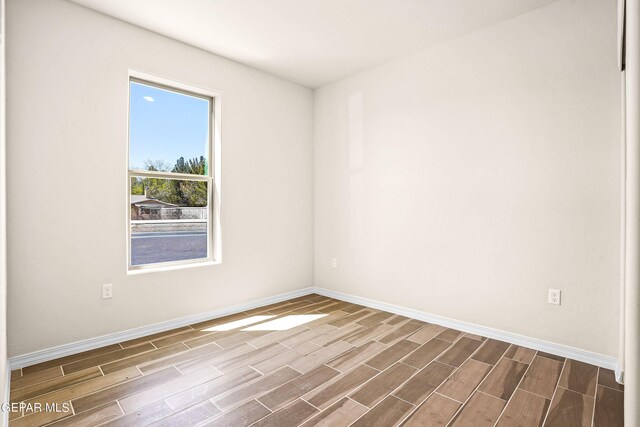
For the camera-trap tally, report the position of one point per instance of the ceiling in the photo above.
(313, 42)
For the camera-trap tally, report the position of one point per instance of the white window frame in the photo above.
(214, 253)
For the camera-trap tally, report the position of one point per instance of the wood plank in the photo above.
(341, 414)
(352, 308)
(609, 410)
(382, 385)
(368, 334)
(402, 332)
(422, 384)
(318, 357)
(16, 373)
(551, 356)
(459, 352)
(437, 410)
(44, 387)
(40, 418)
(355, 356)
(520, 354)
(374, 319)
(289, 307)
(524, 410)
(579, 376)
(325, 309)
(251, 358)
(69, 359)
(122, 390)
(450, 335)
(474, 337)
(307, 336)
(337, 335)
(351, 318)
(243, 415)
(291, 415)
(504, 378)
(91, 418)
(181, 357)
(241, 337)
(282, 359)
(570, 409)
(142, 358)
(387, 413)
(35, 377)
(324, 396)
(233, 317)
(161, 391)
(464, 380)
(491, 351)
(185, 336)
(426, 353)
(607, 378)
(15, 414)
(145, 416)
(319, 307)
(276, 336)
(154, 337)
(396, 320)
(482, 410)
(287, 393)
(426, 333)
(328, 318)
(214, 358)
(99, 359)
(391, 355)
(94, 385)
(255, 388)
(542, 377)
(208, 338)
(318, 298)
(190, 416)
(211, 389)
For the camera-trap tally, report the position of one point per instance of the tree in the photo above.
(177, 192)
(191, 193)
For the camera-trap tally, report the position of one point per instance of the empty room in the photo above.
(320, 213)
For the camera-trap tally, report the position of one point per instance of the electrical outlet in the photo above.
(334, 262)
(554, 296)
(107, 291)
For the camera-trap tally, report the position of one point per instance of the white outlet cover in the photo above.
(107, 291)
(555, 296)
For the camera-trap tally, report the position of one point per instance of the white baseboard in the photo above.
(92, 343)
(47, 354)
(536, 344)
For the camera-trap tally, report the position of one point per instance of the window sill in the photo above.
(170, 267)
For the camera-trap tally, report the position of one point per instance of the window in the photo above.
(171, 185)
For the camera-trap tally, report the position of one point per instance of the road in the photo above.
(150, 248)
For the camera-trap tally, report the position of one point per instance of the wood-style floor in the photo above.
(350, 365)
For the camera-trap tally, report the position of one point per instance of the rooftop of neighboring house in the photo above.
(141, 199)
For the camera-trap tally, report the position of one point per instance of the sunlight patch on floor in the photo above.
(285, 323)
(237, 324)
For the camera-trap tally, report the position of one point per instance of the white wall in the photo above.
(3, 223)
(66, 133)
(467, 180)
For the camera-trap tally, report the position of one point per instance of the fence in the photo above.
(154, 213)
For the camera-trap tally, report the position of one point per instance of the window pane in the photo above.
(168, 220)
(168, 131)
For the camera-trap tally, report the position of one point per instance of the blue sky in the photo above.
(165, 125)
